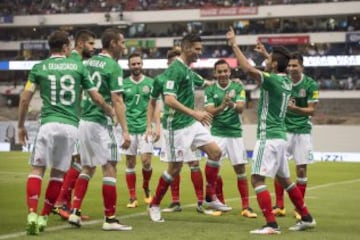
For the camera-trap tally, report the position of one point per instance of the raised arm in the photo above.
(243, 62)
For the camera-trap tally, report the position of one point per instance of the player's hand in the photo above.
(204, 117)
(22, 135)
(291, 104)
(260, 48)
(156, 134)
(231, 37)
(126, 139)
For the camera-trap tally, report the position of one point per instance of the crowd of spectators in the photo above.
(29, 7)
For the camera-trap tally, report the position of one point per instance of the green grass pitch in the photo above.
(333, 197)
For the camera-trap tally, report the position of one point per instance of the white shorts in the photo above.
(138, 145)
(233, 149)
(178, 142)
(269, 158)
(76, 150)
(118, 136)
(54, 145)
(189, 155)
(300, 148)
(97, 144)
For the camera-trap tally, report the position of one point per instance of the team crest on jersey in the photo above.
(302, 93)
(232, 93)
(146, 89)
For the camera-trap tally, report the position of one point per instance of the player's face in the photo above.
(222, 74)
(294, 68)
(193, 52)
(119, 47)
(88, 48)
(135, 66)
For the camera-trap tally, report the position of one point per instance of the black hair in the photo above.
(57, 40)
(281, 55)
(83, 35)
(109, 35)
(297, 56)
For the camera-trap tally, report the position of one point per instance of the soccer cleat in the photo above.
(279, 212)
(147, 197)
(32, 224)
(113, 224)
(303, 225)
(75, 217)
(219, 206)
(132, 203)
(266, 230)
(297, 215)
(248, 212)
(155, 214)
(200, 209)
(42, 223)
(173, 207)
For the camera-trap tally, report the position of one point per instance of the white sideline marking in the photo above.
(65, 226)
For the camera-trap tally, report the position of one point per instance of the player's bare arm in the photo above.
(99, 100)
(243, 62)
(260, 48)
(119, 106)
(306, 111)
(201, 116)
(25, 99)
(153, 112)
(157, 114)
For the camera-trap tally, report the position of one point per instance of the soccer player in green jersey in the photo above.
(84, 49)
(192, 157)
(59, 80)
(97, 143)
(304, 98)
(269, 159)
(137, 88)
(225, 100)
(182, 125)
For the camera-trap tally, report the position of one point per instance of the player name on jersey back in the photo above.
(61, 66)
(96, 63)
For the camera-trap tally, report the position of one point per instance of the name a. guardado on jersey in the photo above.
(62, 66)
(96, 63)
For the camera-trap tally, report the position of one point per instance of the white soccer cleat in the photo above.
(112, 224)
(155, 214)
(303, 225)
(219, 206)
(266, 230)
(75, 218)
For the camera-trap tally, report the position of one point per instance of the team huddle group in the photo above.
(89, 110)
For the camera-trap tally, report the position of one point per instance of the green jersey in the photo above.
(106, 75)
(303, 92)
(136, 97)
(60, 80)
(179, 81)
(76, 56)
(228, 122)
(157, 89)
(275, 93)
